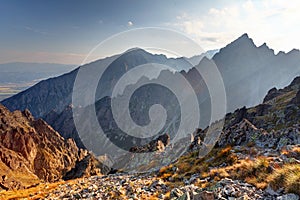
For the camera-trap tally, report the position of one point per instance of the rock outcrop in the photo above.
(159, 144)
(88, 166)
(31, 151)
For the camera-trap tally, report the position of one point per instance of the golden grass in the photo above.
(26, 178)
(294, 152)
(287, 177)
(38, 192)
(259, 171)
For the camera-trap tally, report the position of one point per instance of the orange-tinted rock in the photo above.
(31, 151)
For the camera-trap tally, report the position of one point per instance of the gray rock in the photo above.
(176, 193)
(270, 191)
(204, 195)
(290, 196)
(185, 196)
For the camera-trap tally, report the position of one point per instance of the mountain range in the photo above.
(248, 72)
(256, 157)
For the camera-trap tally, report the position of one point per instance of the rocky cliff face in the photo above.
(158, 144)
(31, 151)
(272, 124)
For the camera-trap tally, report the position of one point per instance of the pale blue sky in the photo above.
(64, 31)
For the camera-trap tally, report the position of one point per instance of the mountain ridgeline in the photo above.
(248, 73)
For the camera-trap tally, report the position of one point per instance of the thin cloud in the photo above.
(41, 56)
(210, 39)
(265, 21)
(29, 28)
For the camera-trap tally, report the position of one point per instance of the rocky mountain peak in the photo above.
(242, 42)
(136, 50)
(244, 37)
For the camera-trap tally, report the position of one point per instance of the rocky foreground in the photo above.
(256, 157)
(230, 174)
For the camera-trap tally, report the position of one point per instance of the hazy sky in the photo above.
(64, 31)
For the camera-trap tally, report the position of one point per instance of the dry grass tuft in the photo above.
(287, 177)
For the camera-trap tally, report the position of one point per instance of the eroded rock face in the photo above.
(31, 151)
(158, 144)
(88, 166)
(272, 124)
(296, 100)
(245, 133)
(272, 94)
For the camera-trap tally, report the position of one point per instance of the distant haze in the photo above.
(15, 77)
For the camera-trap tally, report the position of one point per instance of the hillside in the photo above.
(256, 157)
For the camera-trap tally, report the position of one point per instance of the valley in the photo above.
(10, 89)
